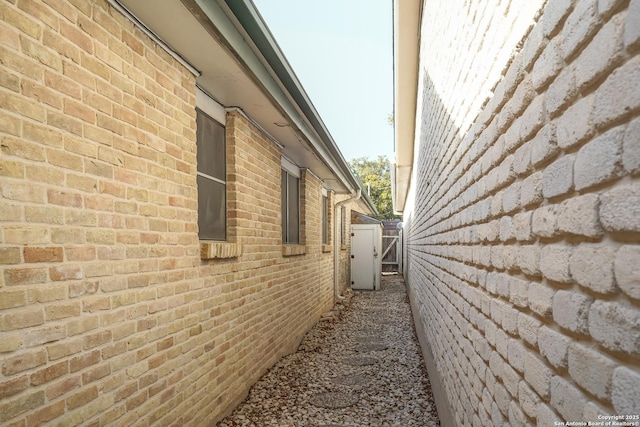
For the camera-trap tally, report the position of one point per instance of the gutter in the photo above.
(238, 25)
(406, 47)
(336, 249)
(266, 48)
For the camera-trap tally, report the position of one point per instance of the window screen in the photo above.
(290, 208)
(325, 220)
(211, 179)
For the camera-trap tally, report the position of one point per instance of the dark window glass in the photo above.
(211, 147)
(290, 208)
(325, 220)
(283, 194)
(211, 179)
(211, 209)
(343, 226)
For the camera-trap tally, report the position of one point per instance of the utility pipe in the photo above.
(336, 243)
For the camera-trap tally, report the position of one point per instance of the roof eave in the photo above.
(305, 115)
(406, 54)
(240, 65)
(369, 202)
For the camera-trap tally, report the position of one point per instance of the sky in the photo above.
(342, 53)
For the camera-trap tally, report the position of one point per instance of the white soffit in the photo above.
(225, 79)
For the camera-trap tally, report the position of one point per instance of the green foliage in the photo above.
(391, 120)
(375, 176)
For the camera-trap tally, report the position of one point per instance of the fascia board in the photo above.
(407, 15)
(251, 20)
(369, 202)
(236, 42)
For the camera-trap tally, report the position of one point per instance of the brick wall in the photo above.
(522, 226)
(108, 315)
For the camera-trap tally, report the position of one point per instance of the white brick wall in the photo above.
(522, 226)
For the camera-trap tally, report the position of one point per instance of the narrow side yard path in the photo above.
(360, 368)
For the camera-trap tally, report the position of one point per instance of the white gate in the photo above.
(392, 246)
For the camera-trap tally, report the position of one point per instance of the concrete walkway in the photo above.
(360, 368)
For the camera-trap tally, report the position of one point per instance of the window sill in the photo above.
(327, 248)
(219, 250)
(293, 250)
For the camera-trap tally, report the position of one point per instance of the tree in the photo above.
(376, 178)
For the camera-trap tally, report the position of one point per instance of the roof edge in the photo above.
(248, 16)
(407, 17)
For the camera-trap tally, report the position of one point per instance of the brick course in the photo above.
(108, 315)
(548, 164)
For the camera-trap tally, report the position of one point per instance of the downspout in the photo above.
(336, 243)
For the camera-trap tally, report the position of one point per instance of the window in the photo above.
(211, 178)
(343, 226)
(290, 186)
(325, 218)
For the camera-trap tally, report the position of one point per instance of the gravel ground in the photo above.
(359, 367)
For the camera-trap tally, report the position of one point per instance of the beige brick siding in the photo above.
(108, 315)
(522, 227)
